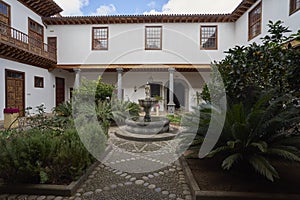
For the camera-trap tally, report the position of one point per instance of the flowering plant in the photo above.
(11, 110)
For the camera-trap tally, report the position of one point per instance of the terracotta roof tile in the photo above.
(160, 18)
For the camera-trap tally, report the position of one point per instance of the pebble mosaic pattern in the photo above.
(108, 182)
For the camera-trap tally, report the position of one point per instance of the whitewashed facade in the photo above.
(32, 96)
(126, 54)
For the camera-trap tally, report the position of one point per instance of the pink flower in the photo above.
(11, 110)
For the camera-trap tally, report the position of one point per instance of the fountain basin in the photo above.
(148, 103)
(155, 126)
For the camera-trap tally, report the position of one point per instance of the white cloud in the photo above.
(152, 4)
(197, 7)
(72, 7)
(105, 10)
(152, 12)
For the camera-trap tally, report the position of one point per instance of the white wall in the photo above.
(180, 44)
(34, 96)
(19, 17)
(273, 10)
(133, 79)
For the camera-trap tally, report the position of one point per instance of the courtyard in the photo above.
(153, 106)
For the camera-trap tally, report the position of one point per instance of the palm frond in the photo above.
(263, 101)
(262, 166)
(261, 145)
(232, 144)
(289, 155)
(218, 150)
(240, 131)
(230, 160)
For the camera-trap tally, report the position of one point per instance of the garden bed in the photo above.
(208, 181)
(47, 189)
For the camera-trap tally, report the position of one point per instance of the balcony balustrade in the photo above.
(17, 45)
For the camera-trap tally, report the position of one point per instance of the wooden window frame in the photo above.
(93, 35)
(293, 7)
(9, 12)
(250, 37)
(36, 78)
(38, 24)
(216, 37)
(160, 37)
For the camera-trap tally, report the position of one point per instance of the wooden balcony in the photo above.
(16, 45)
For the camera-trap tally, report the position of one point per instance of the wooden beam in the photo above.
(136, 66)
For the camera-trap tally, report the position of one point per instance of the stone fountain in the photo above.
(147, 103)
(147, 125)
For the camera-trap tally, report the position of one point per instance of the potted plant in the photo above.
(11, 117)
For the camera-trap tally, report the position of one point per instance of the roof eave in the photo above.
(44, 8)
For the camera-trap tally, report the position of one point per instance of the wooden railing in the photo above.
(21, 40)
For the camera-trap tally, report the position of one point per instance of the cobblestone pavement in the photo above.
(116, 178)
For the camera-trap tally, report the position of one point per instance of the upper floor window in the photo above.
(35, 33)
(100, 38)
(153, 37)
(209, 37)
(294, 6)
(4, 13)
(36, 27)
(254, 23)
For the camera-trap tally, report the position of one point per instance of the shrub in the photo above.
(62, 114)
(254, 134)
(91, 99)
(104, 115)
(91, 89)
(261, 67)
(43, 156)
(64, 109)
(122, 110)
(39, 118)
(103, 91)
(176, 119)
(92, 135)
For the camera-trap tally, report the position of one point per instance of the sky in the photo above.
(146, 7)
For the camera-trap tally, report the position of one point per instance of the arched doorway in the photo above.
(181, 93)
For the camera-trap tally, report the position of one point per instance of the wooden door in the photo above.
(60, 90)
(52, 46)
(15, 90)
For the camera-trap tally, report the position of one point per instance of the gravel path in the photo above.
(131, 171)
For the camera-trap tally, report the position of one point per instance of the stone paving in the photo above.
(116, 178)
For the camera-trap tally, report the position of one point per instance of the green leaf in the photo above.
(218, 150)
(240, 131)
(43, 177)
(262, 166)
(232, 144)
(230, 160)
(284, 153)
(261, 145)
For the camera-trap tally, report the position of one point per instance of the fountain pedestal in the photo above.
(147, 104)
